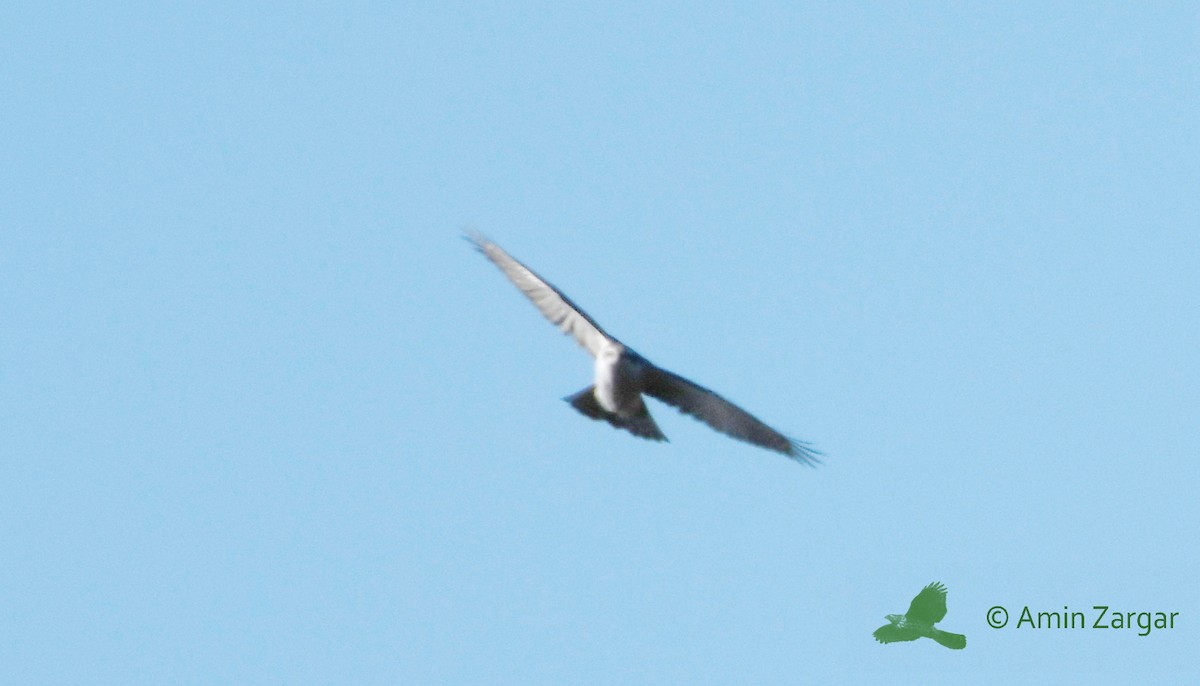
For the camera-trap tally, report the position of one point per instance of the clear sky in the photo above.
(266, 418)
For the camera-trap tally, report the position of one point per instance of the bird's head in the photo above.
(894, 619)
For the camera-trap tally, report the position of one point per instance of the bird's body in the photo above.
(622, 377)
(619, 375)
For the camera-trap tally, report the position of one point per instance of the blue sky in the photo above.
(268, 419)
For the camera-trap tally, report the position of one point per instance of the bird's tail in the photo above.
(585, 402)
(955, 641)
(640, 424)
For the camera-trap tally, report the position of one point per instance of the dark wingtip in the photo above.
(803, 453)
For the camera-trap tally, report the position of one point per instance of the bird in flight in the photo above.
(927, 609)
(622, 376)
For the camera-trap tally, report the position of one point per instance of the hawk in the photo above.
(927, 609)
(623, 377)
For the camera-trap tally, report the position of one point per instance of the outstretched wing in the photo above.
(553, 305)
(929, 605)
(721, 414)
(890, 633)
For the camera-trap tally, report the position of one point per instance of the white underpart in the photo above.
(607, 362)
(619, 380)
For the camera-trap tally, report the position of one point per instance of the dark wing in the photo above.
(890, 633)
(553, 305)
(721, 414)
(929, 605)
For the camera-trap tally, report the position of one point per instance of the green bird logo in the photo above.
(927, 609)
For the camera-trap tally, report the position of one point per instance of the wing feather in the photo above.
(722, 415)
(550, 301)
(890, 633)
(929, 605)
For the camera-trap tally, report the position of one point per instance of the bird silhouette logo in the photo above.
(927, 609)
